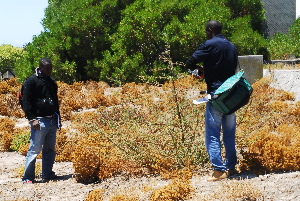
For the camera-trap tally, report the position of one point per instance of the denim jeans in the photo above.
(43, 139)
(214, 120)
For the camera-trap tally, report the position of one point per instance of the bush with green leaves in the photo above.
(9, 56)
(286, 46)
(20, 140)
(122, 41)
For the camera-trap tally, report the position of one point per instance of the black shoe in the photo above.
(53, 178)
(232, 172)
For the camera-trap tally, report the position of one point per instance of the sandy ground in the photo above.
(281, 186)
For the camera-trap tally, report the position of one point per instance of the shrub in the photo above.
(286, 46)
(247, 41)
(64, 146)
(20, 142)
(274, 151)
(264, 142)
(180, 188)
(95, 159)
(9, 105)
(95, 195)
(6, 133)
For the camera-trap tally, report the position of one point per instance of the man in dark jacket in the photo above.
(219, 57)
(40, 104)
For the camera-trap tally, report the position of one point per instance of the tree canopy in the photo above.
(120, 41)
(9, 56)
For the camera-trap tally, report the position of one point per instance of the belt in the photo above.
(47, 116)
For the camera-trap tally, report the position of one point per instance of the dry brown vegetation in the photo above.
(139, 129)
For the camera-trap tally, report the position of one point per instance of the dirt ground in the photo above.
(281, 186)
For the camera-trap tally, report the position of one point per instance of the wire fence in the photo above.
(280, 14)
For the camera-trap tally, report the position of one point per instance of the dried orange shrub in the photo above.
(180, 188)
(167, 167)
(10, 106)
(15, 85)
(8, 98)
(259, 112)
(63, 92)
(64, 146)
(138, 94)
(267, 124)
(94, 92)
(6, 133)
(293, 112)
(4, 87)
(274, 151)
(81, 95)
(185, 83)
(95, 159)
(124, 198)
(144, 130)
(95, 195)
(147, 129)
(282, 95)
(132, 93)
(71, 96)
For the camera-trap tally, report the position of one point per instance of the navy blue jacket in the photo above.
(220, 60)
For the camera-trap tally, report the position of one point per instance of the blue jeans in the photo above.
(45, 139)
(214, 120)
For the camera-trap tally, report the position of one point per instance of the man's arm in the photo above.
(28, 98)
(191, 63)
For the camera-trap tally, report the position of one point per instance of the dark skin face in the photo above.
(46, 69)
(209, 33)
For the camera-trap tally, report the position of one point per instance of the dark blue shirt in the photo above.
(219, 59)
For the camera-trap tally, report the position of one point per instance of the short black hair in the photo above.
(43, 61)
(214, 26)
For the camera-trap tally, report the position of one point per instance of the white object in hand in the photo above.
(202, 100)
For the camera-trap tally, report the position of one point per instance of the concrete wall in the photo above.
(287, 80)
(253, 67)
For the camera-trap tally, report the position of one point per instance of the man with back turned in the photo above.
(219, 57)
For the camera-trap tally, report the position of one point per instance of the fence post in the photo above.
(253, 67)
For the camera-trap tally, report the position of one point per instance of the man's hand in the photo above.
(198, 72)
(36, 124)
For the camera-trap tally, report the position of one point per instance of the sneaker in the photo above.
(27, 181)
(232, 172)
(217, 175)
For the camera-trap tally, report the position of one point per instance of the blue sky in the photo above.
(20, 20)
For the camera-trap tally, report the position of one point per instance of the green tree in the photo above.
(124, 41)
(82, 28)
(148, 27)
(252, 8)
(9, 56)
(286, 46)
